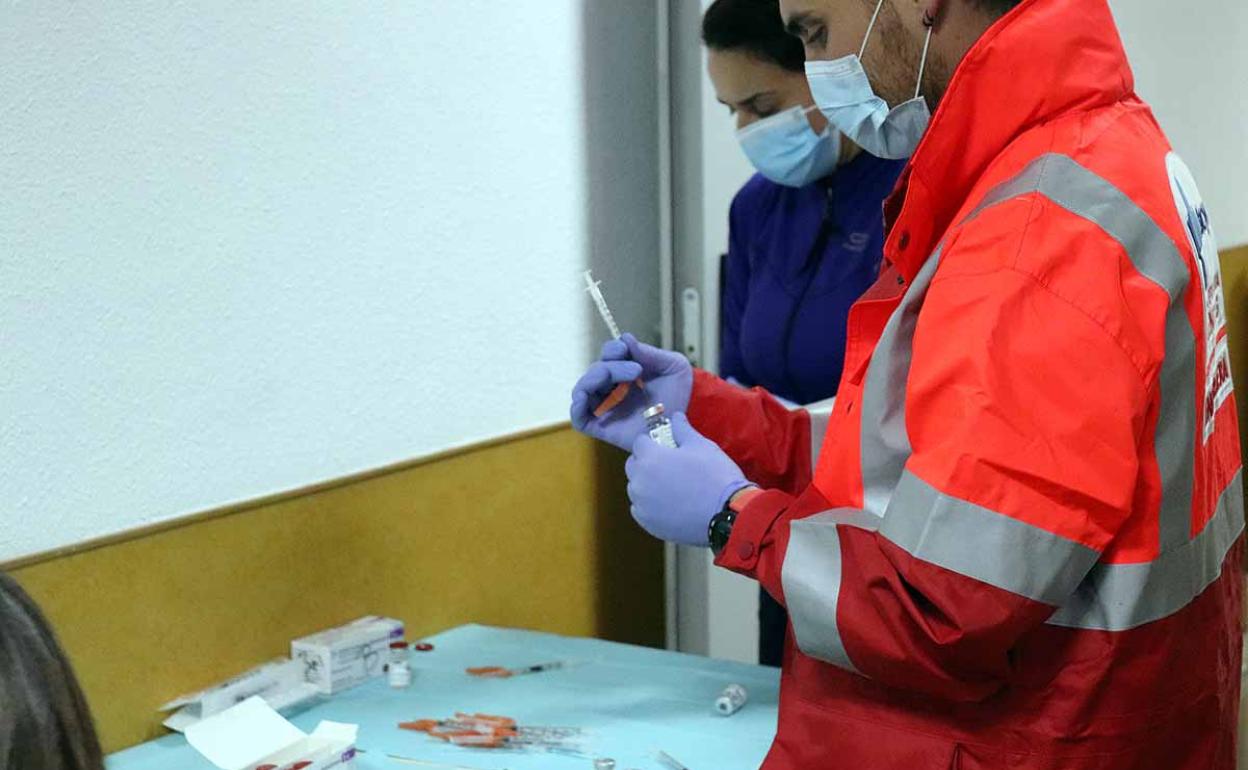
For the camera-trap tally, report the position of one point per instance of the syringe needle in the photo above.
(595, 291)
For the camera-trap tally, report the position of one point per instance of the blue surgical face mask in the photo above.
(785, 149)
(844, 95)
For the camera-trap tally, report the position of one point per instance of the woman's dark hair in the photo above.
(44, 720)
(753, 26)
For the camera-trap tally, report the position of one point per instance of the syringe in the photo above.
(595, 291)
(620, 392)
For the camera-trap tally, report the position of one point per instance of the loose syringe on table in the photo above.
(657, 423)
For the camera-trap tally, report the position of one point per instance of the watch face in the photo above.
(721, 529)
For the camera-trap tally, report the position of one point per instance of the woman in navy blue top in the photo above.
(805, 234)
(798, 258)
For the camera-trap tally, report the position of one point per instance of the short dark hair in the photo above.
(44, 720)
(753, 26)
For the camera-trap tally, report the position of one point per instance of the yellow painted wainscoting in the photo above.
(530, 532)
(1235, 288)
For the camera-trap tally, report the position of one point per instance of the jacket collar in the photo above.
(1043, 60)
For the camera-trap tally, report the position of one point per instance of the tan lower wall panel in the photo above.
(1235, 290)
(533, 533)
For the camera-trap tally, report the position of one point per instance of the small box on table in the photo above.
(340, 658)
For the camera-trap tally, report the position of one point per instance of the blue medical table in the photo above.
(632, 702)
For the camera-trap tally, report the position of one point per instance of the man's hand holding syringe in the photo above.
(678, 479)
(630, 382)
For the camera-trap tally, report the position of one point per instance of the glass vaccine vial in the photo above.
(398, 672)
(731, 700)
(659, 426)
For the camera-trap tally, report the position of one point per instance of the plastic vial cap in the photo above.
(398, 645)
(423, 647)
(653, 411)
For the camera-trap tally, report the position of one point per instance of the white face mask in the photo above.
(844, 95)
(785, 149)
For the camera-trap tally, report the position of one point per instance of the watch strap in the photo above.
(720, 528)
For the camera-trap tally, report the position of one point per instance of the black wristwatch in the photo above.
(720, 529)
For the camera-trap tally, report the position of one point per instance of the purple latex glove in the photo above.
(668, 380)
(676, 492)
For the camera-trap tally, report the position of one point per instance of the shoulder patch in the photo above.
(1190, 205)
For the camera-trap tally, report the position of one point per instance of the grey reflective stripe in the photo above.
(885, 446)
(820, 413)
(983, 544)
(1154, 255)
(811, 577)
(1118, 597)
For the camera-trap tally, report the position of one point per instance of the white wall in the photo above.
(1191, 65)
(247, 247)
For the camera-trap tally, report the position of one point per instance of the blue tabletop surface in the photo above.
(632, 702)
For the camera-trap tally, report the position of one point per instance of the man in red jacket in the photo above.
(1015, 541)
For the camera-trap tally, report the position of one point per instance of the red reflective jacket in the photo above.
(1019, 545)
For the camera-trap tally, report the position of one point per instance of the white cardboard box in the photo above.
(252, 736)
(280, 682)
(340, 658)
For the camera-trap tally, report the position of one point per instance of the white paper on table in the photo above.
(336, 732)
(241, 736)
(331, 745)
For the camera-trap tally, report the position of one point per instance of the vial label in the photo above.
(662, 434)
(399, 676)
